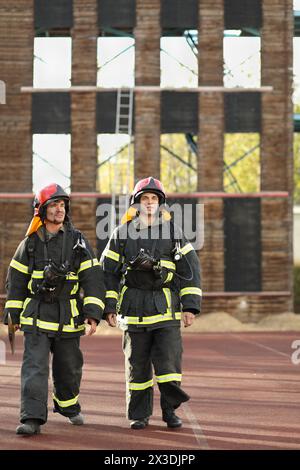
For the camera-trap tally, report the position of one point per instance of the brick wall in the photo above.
(16, 59)
(83, 115)
(210, 141)
(147, 105)
(276, 146)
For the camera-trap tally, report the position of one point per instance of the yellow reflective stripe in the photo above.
(72, 277)
(167, 264)
(88, 264)
(14, 304)
(65, 403)
(25, 320)
(111, 294)
(169, 277)
(168, 378)
(37, 274)
(93, 300)
(140, 386)
(75, 289)
(29, 286)
(74, 309)
(167, 293)
(124, 289)
(186, 248)
(19, 266)
(112, 255)
(190, 290)
(45, 325)
(40, 275)
(149, 320)
(26, 302)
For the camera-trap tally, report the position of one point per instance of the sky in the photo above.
(115, 58)
(51, 160)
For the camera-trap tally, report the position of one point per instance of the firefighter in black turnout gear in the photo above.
(50, 270)
(152, 277)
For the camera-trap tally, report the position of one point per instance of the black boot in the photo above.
(29, 428)
(139, 423)
(171, 419)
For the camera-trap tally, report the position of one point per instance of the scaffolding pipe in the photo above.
(197, 195)
(204, 89)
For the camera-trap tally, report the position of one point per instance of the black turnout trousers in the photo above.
(67, 361)
(160, 349)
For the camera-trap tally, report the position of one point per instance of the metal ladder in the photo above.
(124, 114)
(124, 111)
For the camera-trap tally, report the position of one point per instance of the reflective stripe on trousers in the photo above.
(160, 349)
(66, 370)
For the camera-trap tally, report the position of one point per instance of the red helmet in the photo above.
(148, 185)
(49, 194)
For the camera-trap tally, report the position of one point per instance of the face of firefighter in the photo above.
(55, 213)
(149, 204)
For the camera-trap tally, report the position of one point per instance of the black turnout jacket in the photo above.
(150, 299)
(80, 296)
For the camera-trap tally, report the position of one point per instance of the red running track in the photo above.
(244, 388)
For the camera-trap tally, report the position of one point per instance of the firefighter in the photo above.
(152, 277)
(50, 267)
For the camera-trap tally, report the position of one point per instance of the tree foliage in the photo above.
(243, 153)
(243, 176)
(181, 176)
(178, 176)
(115, 175)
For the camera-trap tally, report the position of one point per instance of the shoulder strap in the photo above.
(31, 250)
(123, 241)
(122, 244)
(173, 234)
(176, 241)
(79, 245)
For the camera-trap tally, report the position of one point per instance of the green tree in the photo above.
(116, 174)
(242, 154)
(176, 175)
(245, 173)
(181, 176)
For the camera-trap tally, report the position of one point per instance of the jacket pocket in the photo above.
(175, 301)
(124, 301)
(30, 306)
(160, 301)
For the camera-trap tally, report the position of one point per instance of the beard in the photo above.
(55, 221)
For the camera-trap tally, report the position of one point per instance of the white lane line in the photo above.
(260, 345)
(198, 433)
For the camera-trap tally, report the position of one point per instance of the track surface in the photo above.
(245, 395)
